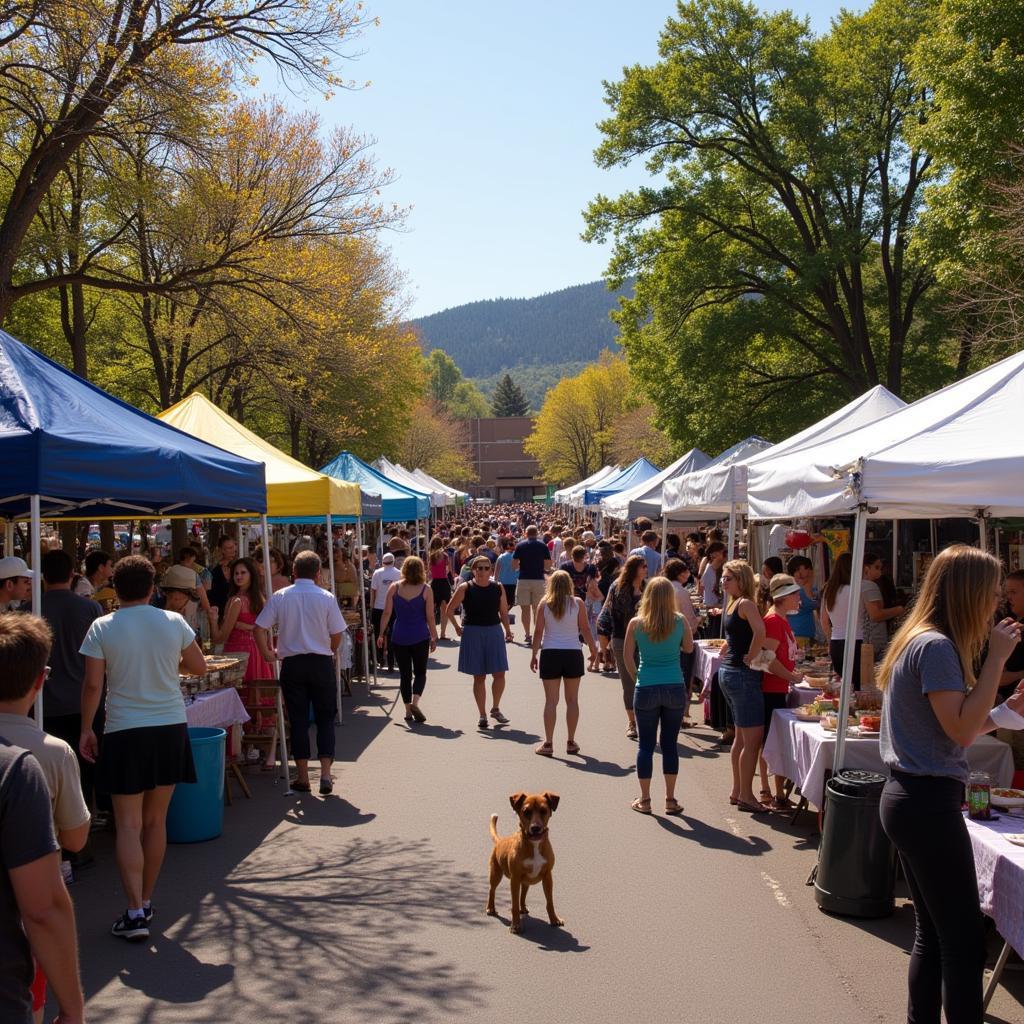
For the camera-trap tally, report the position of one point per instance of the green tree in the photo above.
(467, 402)
(443, 374)
(508, 399)
(772, 247)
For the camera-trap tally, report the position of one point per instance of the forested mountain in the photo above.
(485, 338)
(533, 380)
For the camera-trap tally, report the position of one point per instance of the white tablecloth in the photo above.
(803, 752)
(1000, 867)
(705, 664)
(217, 709)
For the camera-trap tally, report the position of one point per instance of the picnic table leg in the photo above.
(997, 973)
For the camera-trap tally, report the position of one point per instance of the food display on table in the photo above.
(870, 722)
(221, 670)
(714, 645)
(1007, 797)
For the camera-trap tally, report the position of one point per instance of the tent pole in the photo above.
(281, 739)
(860, 529)
(334, 594)
(983, 533)
(895, 548)
(37, 584)
(664, 541)
(731, 536)
(362, 604)
(629, 537)
(8, 538)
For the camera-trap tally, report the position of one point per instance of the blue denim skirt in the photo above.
(742, 689)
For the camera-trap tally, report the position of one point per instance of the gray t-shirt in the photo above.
(70, 617)
(26, 835)
(912, 739)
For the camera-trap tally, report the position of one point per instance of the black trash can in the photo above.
(856, 870)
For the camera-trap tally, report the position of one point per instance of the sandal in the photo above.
(483, 725)
(545, 750)
(641, 806)
(673, 807)
(782, 803)
(766, 796)
(498, 716)
(631, 733)
(733, 801)
(686, 724)
(572, 747)
(742, 805)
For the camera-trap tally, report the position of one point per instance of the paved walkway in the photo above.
(368, 906)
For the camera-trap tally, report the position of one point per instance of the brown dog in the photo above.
(525, 857)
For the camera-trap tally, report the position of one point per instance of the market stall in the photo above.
(70, 450)
(635, 473)
(645, 498)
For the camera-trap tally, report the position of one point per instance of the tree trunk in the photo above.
(107, 537)
(68, 531)
(179, 537)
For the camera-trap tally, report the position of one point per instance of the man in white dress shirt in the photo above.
(309, 627)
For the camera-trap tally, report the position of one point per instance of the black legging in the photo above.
(921, 816)
(386, 653)
(836, 649)
(412, 668)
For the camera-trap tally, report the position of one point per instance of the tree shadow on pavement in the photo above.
(714, 838)
(338, 934)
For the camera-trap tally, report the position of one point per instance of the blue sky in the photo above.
(487, 115)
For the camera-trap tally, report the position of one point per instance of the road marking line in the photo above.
(780, 895)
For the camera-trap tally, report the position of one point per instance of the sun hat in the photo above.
(781, 585)
(11, 567)
(179, 577)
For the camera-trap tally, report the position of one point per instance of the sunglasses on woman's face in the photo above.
(727, 579)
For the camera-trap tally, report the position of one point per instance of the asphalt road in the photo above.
(369, 905)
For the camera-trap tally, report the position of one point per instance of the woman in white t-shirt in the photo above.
(145, 750)
(835, 604)
(561, 621)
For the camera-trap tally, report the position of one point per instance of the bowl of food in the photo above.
(1007, 797)
(819, 682)
(870, 722)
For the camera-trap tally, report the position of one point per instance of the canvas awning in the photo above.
(632, 475)
(293, 489)
(645, 499)
(399, 504)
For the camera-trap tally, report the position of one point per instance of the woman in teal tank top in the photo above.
(655, 638)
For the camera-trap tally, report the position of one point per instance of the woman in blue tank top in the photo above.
(651, 652)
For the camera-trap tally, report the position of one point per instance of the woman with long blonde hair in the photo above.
(561, 621)
(657, 634)
(741, 684)
(934, 706)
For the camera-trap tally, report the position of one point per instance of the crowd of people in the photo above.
(114, 741)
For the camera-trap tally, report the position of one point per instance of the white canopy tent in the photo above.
(452, 493)
(438, 497)
(952, 453)
(645, 499)
(573, 495)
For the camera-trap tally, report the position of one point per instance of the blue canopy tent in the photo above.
(70, 450)
(399, 504)
(632, 475)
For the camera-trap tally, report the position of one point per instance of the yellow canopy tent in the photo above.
(292, 488)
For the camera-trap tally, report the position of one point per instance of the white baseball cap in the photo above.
(11, 567)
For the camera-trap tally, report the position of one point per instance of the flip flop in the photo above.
(673, 808)
(742, 805)
(641, 806)
(545, 750)
(572, 747)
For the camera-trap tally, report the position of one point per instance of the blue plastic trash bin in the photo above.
(196, 812)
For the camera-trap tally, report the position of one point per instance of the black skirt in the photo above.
(561, 664)
(137, 760)
(442, 590)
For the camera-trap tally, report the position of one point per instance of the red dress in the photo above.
(244, 640)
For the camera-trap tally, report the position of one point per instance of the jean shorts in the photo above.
(742, 689)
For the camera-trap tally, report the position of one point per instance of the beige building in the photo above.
(504, 471)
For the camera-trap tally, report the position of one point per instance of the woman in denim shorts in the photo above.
(657, 635)
(744, 629)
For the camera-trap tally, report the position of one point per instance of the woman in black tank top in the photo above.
(741, 684)
(485, 630)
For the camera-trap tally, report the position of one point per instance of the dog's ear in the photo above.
(517, 800)
(552, 799)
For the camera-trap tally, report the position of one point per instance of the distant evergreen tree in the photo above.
(508, 399)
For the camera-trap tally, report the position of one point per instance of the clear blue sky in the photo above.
(487, 114)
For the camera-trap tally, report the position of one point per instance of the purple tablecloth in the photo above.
(1000, 867)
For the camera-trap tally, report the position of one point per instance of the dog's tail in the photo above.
(494, 828)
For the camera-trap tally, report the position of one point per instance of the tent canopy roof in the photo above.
(89, 454)
(292, 488)
(725, 482)
(566, 495)
(645, 499)
(431, 481)
(632, 475)
(710, 491)
(951, 453)
(399, 504)
(395, 473)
